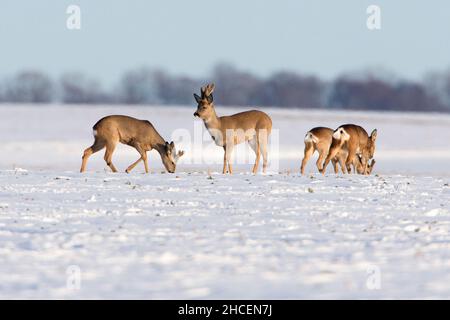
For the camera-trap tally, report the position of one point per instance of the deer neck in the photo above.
(214, 127)
(212, 122)
(159, 144)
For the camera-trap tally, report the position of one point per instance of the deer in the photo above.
(139, 134)
(253, 127)
(320, 139)
(357, 142)
(369, 168)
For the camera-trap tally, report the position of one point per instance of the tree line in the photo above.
(363, 91)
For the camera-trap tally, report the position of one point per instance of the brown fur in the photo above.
(139, 134)
(370, 167)
(252, 126)
(357, 142)
(320, 139)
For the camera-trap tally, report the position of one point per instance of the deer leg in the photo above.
(224, 171)
(97, 146)
(364, 163)
(348, 168)
(143, 158)
(359, 165)
(319, 162)
(228, 152)
(322, 155)
(134, 164)
(335, 165)
(254, 144)
(350, 159)
(108, 155)
(355, 165)
(309, 150)
(342, 164)
(333, 152)
(263, 140)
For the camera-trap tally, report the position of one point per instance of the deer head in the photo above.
(369, 150)
(370, 167)
(170, 156)
(205, 105)
(362, 169)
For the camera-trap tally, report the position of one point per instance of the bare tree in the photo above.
(139, 87)
(29, 87)
(77, 88)
(414, 97)
(376, 94)
(236, 87)
(288, 89)
(368, 89)
(437, 84)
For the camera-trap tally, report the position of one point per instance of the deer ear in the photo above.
(210, 98)
(172, 144)
(197, 98)
(373, 135)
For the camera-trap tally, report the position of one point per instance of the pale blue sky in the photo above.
(189, 37)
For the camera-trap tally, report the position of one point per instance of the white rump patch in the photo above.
(309, 137)
(337, 134)
(340, 133)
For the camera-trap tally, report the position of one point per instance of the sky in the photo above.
(321, 37)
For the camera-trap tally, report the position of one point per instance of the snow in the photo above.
(198, 234)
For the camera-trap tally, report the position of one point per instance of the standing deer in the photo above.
(139, 134)
(320, 139)
(227, 131)
(357, 141)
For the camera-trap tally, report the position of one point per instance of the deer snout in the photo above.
(196, 114)
(172, 167)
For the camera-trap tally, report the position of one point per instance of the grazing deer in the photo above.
(369, 168)
(139, 134)
(319, 139)
(358, 165)
(252, 126)
(357, 141)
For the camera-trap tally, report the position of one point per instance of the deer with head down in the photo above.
(358, 144)
(320, 139)
(139, 134)
(369, 168)
(251, 126)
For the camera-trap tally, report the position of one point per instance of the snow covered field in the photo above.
(199, 234)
